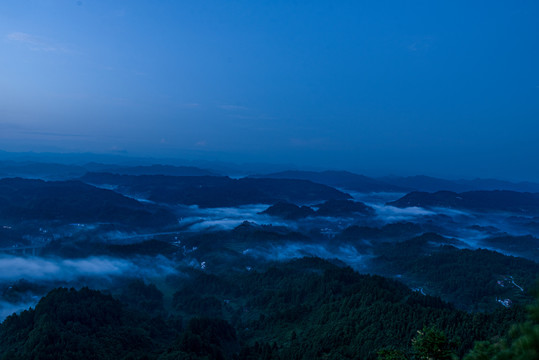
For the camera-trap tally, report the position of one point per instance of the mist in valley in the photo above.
(243, 238)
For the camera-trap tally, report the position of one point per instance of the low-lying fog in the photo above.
(226, 218)
(320, 234)
(41, 274)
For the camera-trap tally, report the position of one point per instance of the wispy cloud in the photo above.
(22, 37)
(420, 44)
(346, 253)
(412, 47)
(190, 105)
(229, 107)
(54, 134)
(244, 112)
(10, 126)
(34, 268)
(309, 142)
(36, 43)
(252, 117)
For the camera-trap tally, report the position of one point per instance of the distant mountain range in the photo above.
(30, 169)
(53, 171)
(150, 170)
(497, 200)
(360, 183)
(340, 179)
(72, 166)
(432, 184)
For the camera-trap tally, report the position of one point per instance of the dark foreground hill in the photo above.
(303, 309)
(498, 200)
(74, 201)
(85, 324)
(217, 191)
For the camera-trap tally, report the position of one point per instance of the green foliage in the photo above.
(431, 343)
(391, 354)
(464, 277)
(521, 343)
(303, 309)
(311, 308)
(83, 324)
(484, 350)
(204, 339)
(143, 297)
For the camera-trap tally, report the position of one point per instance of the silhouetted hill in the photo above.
(74, 201)
(494, 184)
(526, 246)
(338, 208)
(148, 248)
(425, 183)
(433, 184)
(289, 211)
(216, 191)
(333, 208)
(157, 169)
(339, 179)
(243, 236)
(394, 231)
(30, 169)
(473, 200)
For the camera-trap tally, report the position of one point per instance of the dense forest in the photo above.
(303, 309)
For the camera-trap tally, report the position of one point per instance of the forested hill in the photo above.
(217, 191)
(303, 309)
(332, 208)
(75, 201)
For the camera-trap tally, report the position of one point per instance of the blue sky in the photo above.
(404, 87)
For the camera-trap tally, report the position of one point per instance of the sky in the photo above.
(445, 88)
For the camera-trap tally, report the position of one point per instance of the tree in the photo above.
(391, 354)
(432, 344)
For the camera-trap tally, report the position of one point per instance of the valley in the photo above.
(261, 263)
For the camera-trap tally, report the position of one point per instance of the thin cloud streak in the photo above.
(233, 107)
(36, 43)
